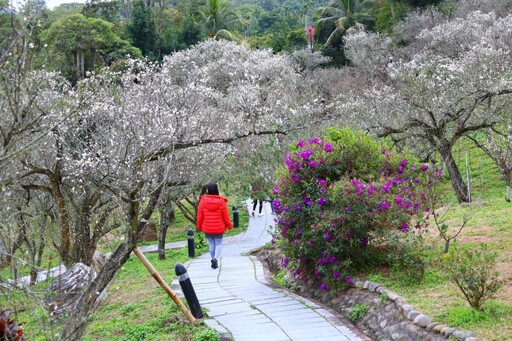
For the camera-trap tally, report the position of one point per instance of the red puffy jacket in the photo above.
(212, 214)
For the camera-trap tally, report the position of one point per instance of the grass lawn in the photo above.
(137, 308)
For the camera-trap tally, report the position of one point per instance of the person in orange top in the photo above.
(213, 219)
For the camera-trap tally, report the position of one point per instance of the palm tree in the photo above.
(343, 14)
(218, 18)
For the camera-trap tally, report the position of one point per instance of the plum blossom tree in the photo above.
(24, 104)
(108, 148)
(31, 106)
(448, 82)
(416, 21)
(168, 125)
(501, 7)
(268, 151)
(28, 113)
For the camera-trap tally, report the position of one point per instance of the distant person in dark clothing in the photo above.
(257, 196)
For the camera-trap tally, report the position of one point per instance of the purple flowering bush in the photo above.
(337, 200)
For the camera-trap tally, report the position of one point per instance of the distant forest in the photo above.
(86, 37)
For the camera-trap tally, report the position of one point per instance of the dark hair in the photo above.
(212, 188)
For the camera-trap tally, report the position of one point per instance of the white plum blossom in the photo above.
(119, 139)
(450, 80)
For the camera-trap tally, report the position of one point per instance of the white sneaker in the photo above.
(261, 214)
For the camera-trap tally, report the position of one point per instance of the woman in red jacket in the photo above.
(213, 220)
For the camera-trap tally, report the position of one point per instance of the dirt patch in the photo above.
(479, 234)
(504, 267)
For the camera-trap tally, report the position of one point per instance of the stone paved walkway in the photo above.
(243, 306)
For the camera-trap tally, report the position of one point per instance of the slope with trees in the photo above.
(80, 160)
(451, 80)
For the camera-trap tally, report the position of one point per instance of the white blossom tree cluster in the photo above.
(258, 156)
(28, 113)
(117, 141)
(449, 77)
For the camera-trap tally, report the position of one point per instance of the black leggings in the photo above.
(255, 203)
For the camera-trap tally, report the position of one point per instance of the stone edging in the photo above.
(408, 312)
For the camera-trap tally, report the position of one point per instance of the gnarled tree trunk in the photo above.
(458, 184)
(74, 327)
(167, 214)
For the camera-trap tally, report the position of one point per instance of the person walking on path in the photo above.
(257, 196)
(255, 204)
(213, 219)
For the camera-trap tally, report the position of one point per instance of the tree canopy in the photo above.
(141, 30)
(79, 44)
(450, 81)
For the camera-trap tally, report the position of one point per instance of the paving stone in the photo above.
(280, 308)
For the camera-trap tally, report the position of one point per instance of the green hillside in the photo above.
(489, 222)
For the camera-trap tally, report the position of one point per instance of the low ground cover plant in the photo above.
(10, 329)
(472, 269)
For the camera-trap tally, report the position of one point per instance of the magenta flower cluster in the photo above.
(336, 197)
